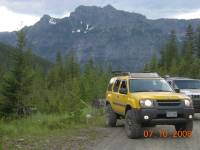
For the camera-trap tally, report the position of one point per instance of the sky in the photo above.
(14, 14)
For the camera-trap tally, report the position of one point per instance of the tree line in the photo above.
(179, 57)
(64, 87)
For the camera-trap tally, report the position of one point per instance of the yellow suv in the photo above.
(146, 100)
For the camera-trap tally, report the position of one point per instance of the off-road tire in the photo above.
(132, 127)
(188, 126)
(111, 116)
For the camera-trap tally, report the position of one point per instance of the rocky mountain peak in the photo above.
(109, 7)
(45, 18)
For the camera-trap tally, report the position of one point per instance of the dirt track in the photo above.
(117, 140)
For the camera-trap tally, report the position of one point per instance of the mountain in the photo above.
(125, 40)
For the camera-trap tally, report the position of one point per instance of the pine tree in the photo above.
(39, 90)
(171, 53)
(188, 50)
(154, 64)
(16, 88)
(173, 69)
(75, 104)
(173, 49)
(57, 74)
(189, 37)
(184, 63)
(188, 46)
(195, 68)
(162, 62)
(90, 76)
(72, 67)
(197, 42)
(60, 68)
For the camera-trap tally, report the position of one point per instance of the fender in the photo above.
(134, 103)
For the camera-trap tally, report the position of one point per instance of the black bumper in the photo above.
(159, 116)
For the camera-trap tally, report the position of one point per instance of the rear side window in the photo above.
(116, 86)
(110, 85)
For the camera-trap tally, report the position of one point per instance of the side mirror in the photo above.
(177, 90)
(123, 91)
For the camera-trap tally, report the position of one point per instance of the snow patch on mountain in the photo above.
(76, 31)
(52, 21)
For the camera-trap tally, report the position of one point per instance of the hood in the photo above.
(190, 91)
(159, 95)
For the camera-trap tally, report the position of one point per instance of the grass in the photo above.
(41, 126)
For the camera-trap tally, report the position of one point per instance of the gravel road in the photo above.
(116, 139)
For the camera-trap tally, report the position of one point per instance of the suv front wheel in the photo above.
(132, 127)
(111, 116)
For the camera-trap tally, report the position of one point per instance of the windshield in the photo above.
(187, 84)
(149, 85)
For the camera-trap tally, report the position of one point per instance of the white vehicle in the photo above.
(190, 87)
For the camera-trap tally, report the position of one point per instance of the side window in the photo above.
(116, 86)
(123, 88)
(110, 85)
(175, 86)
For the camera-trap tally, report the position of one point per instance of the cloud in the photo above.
(35, 7)
(12, 12)
(11, 21)
(155, 9)
(57, 8)
(189, 15)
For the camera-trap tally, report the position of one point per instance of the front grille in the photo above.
(195, 96)
(168, 103)
(196, 104)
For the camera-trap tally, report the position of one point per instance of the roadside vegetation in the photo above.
(179, 57)
(37, 100)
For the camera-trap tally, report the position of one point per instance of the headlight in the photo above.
(188, 102)
(146, 103)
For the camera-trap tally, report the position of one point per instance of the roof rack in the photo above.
(121, 73)
(180, 78)
(145, 75)
(136, 75)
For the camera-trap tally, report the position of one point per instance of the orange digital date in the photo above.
(164, 134)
